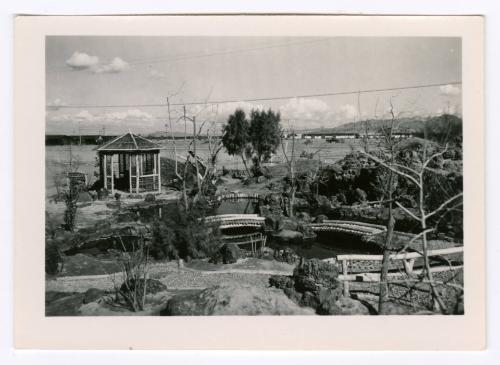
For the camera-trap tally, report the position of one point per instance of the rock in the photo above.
(304, 216)
(92, 295)
(361, 195)
(293, 294)
(288, 224)
(287, 255)
(281, 281)
(266, 253)
(343, 306)
(323, 201)
(315, 273)
(229, 253)
(153, 286)
(115, 204)
(66, 306)
(233, 299)
(321, 218)
(309, 299)
(149, 198)
(392, 308)
(261, 179)
(288, 236)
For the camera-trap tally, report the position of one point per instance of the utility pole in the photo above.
(193, 119)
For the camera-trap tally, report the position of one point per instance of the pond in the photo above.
(325, 245)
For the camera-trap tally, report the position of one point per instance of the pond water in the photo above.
(325, 245)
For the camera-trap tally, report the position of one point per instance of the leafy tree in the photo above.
(236, 136)
(265, 136)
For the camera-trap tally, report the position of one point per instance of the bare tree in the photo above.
(290, 162)
(414, 174)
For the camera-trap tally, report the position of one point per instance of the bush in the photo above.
(183, 234)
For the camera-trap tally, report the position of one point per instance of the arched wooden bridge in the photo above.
(237, 196)
(225, 221)
(350, 227)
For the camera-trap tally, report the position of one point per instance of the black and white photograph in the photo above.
(264, 175)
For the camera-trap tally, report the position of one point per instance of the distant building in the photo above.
(330, 136)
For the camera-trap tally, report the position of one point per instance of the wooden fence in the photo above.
(408, 260)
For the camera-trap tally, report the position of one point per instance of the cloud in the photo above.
(453, 109)
(300, 108)
(115, 66)
(115, 118)
(346, 113)
(82, 61)
(449, 90)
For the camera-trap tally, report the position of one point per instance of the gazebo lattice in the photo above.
(130, 163)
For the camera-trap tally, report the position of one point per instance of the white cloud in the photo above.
(82, 61)
(115, 66)
(346, 113)
(115, 118)
(300, 108)
(451, 109)
(449, 90)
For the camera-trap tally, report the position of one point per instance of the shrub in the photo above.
(183, 234)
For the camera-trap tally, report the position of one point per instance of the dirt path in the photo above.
(198, 275)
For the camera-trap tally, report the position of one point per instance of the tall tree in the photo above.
(265, 135)
(236, 136)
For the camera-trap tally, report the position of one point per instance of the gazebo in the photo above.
(130, 163)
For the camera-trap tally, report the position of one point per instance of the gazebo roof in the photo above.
(129, 142)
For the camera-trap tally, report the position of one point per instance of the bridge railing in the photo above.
(408, 260)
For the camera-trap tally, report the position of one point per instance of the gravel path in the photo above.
(174, 277)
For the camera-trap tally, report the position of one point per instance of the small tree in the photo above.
(265, 136)
(236, 136)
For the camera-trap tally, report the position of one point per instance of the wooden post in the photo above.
(112, 176)
(137, 174)
(159, 173)
(408, 264)
(130, 173)
(105, 171)
(346, 281)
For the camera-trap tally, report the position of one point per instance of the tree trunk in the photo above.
(245, 164)
(384, 287)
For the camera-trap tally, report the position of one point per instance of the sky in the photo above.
(105, 82)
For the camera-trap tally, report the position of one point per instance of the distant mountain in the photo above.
(437, 127)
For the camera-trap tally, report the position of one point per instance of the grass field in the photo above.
(57, 157)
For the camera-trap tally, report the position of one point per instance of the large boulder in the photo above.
(314, 274)
(343, 306)
(313, 284)
(92, 295)
(233, 299)
(153, 286)
(229, 253)
(67, 305)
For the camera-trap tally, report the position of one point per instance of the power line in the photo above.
(202, 55)
(213, 102)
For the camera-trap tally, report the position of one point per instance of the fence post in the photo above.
(346, 281)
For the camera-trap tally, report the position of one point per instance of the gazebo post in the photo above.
(159, 172)
(137, 173)
(105, 172)
(129, 173)
(112, 176)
